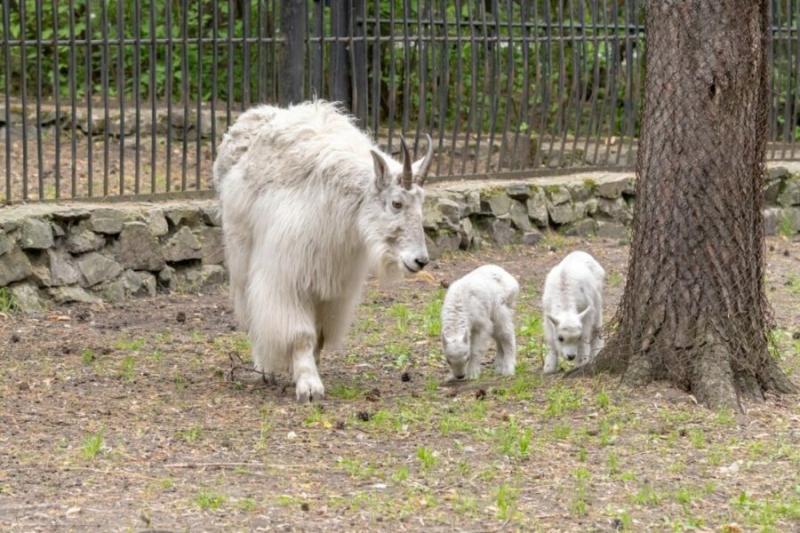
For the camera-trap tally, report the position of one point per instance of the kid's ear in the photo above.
(382, 175)
(552, 320)
(583, 313)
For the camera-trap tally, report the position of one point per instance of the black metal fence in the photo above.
(105, 98)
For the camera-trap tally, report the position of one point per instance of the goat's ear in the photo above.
(382, 174)
(583, 313)
(552, 320)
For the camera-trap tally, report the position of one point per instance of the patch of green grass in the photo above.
(7, 303)
(317, 417)
(561, 431)
(561, 400)
(455, 423)
(248, 505)
(209, 501)
(646, 495)
(88, 356)
(341, 391)
(401, 315)
(614, 279)
(127, 369)
(401, 354)
(129, 345)
(166, 483)
(602, 400)
(513, 441)
(553, 240)
(793, 283)
(432, 315)
(766, 513)
(786, 226)
(725, 418)
(466, 505)
(356, 468)
(697, 437)
(506, 499)
(92, 446)
(190, 435)
(426, 458)
(613, 463)
(580, 502)
(401, 474)
(531, 331)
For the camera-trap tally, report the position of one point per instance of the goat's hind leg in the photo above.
(506, 360)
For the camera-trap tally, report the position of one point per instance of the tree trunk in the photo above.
(694, 309)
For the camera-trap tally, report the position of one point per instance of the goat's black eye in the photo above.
(397, 205)
(561, 339)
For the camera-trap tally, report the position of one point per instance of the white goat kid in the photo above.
(573, 308)
(309, 206)
(477, 308)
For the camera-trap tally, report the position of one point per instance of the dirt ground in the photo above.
(127, 419)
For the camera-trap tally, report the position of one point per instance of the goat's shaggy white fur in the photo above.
(573, 309)
(309, 205)
(477, 308)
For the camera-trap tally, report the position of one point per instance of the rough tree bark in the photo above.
(694, 309)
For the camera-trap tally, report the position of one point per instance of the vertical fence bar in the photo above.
(422, 48)
(57, 102)
(89, 112)
(392, 76)
(137, 92)
(199, 98)
(376, 69)
(594, 127)
(39, 41)
(104, 68)
(293, 26)
(185, 90)
(229, 63)
(473, 88)
(510, 74)
(443, 81)
(406, 66)
(73, 101)
(316, 51)
(459, 85)
(153, 101)
(795, 19)
(214, 75)
(245, 53)
(612, 86)
(24, 100)
(121, 89)
(168, 95)
(6, 95)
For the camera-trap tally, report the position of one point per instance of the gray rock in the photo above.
(182, 246)
(616, 209)
(581, 192)
(501, 232)
(612, 230)
(791, 194)
(27, 298)
(789, 223)
(557, 194)
(431, 216)
(771, 191)
(495, 203)
(156, 222)
(97, 268)
(537, 208)
(6, 243)
(106, 220)
(772, 216)
(14, 266)
(532, 238)
(64, 295)
(519, 216)
(778, 173)
(472, 200)
(58, 231)
(581, 228)
(451, 212)
(192, 279)
(213, 249)
(168, 278)
(111, 291)
(519, 191)
(139, 283)
(615, 187)
(36, 234)
(71, 214)
(212, 215)
(562, 213)
(62, 270)
(445, 240)
(188, 215)
(81, 239)
(467, 233)
(138, 248)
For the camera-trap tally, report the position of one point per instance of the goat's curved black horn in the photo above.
(407, 178)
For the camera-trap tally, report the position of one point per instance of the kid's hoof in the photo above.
(309, 389)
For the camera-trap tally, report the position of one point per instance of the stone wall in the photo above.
(93, 252)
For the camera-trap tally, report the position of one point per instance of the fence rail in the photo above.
(105, 98)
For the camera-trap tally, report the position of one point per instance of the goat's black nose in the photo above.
(460, 377)
(422, 261)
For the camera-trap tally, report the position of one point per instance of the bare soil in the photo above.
(142, 417)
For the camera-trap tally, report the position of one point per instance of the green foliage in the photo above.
(209, 501)
(92, 446)
(426, 457)
(7, 303)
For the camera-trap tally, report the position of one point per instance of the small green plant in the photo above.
(401, 316)
(401, 474)
(88, 356)
(697, 437)
(646, 496)
(432, 315)
(7, 303)
(128, 368)
(401, 354)
(356, 468)
(613, 463)
(580, 504)
(553, 240)
(514, 441)
(794, 284)
(209, 501)
(92, 445)
(602, 400)
(561, 400)
(129, 345)
(561, 431)
(786, 226)
(426, 458)
(190, 435)
(614, 279)
(344, 392)
(505, 500)
(247, 505)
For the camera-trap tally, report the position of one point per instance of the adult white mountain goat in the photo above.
(309, 206)
(573, 308)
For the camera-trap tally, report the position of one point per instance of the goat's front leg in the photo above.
(308, 385)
